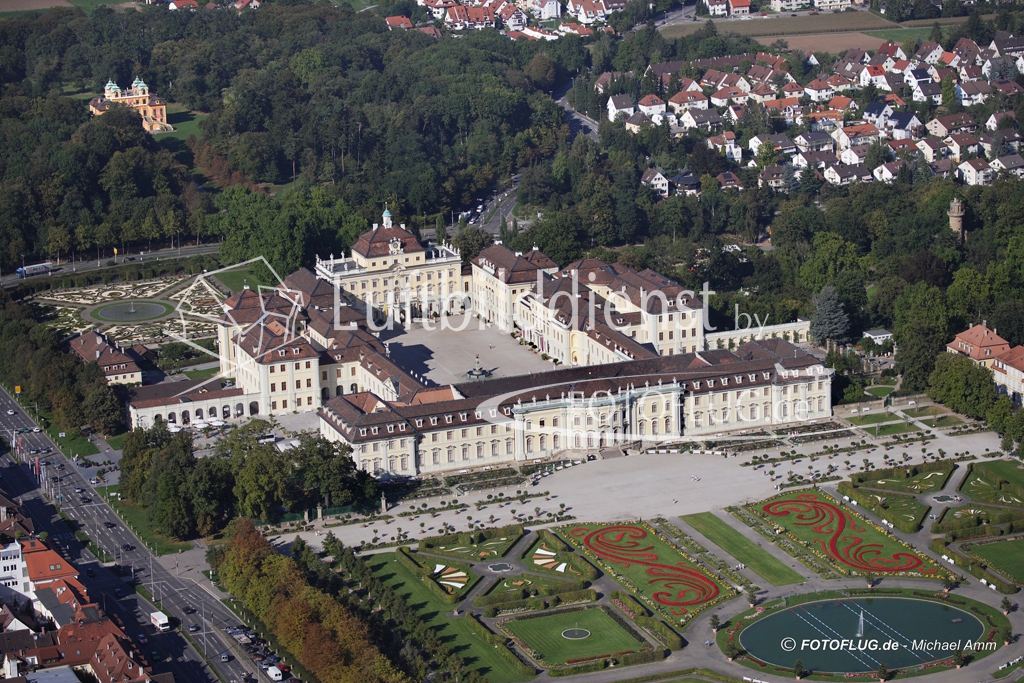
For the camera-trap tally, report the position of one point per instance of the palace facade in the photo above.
(152, 108)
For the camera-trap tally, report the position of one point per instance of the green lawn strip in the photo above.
(897, 428)
(137, 519)
(635, 577)
(90, 5)
(116, 442)
(1006, 555)
(871, 418)
(922, 482)
(543, 635)
(454, 631)
(1010, 470)
(235, 280)
(902, 508)
(737, 545)
(981, 486)
(944, 421)
(900, 35)
(548, 564)
(513, 585)
(185, 123)
(461, 546)
(880, 392)
(924, 411)
(202, 374)
(817, 541)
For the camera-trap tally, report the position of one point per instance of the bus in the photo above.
(37, 269)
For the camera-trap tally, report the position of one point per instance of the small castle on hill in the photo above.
(152, 107)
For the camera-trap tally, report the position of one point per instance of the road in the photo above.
(86, 265)
(174, 593)
(578, 122)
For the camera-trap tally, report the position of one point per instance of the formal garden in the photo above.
(651, 567)
(760, 561)
(847, 541)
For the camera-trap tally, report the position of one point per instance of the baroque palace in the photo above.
(152, 108)
(636, 365)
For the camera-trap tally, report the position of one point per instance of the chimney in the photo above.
(501, 274)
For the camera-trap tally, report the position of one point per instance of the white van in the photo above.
(275, 674)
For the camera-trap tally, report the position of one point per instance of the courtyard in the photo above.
(443, 352)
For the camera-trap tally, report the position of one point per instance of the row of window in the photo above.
(298, 385)
(298, 403)
(284, 366)
(751, 411)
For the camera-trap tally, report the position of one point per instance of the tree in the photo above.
(882, 673)
(1007, 318)
(766, 155)
(798, 670)
(260, 480)
(730, 651)
(716, 622)
(920, 330)
(877, 154)
(1006, 605)
(830, 322)
(959, 384)
(102, 410)
(831, 255)
(948, 91)
(470, 241)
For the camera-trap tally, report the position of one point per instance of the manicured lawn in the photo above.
(925, 411)
(1007, 556)
(235, 280)
(202, 374)
(981, 487)
(137, 520)
(890, 506)
(1010, 470)
(541, 558)
(514, 584)
(897, 428)
(657, 570)
(454, 631)
(734, 543)
(544, 635)
(117, 442)
(491, 548)
(944, 421)
(186, 123)
(880, 391)
(871, 418)
(843, 536)
(923, 482)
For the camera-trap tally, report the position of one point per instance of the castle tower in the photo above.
(956, 217)
(387, 219)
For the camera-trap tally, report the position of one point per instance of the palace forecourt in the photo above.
(634, 366)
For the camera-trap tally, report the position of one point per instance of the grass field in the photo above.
(892, 506)
(924, 482)
(734, 543)
(901, 35)
(540, 558)
(776, 25)
(983, 490)
(488, 549)
(544, 635)
(117, 442)
(512, 585)
(137, 520)
(1007, 556)
(924, 411)
(14, 8)
(202, 374)
(236, 279)
(651, 565)
(944, 421)
(880, 391)
(898, 428)
(455, 632)
(871, 418)
(185, 122)
(821, 523)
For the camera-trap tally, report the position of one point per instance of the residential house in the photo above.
(119, 364)
(815, 160)
(773, 177)
(970, 73)
(791, 90)
(609, 77)
(787, 108)
(962, 145)
(832, 5)
(975, 172)
(688, 99)
(651, 105)
(686, 183)
(637, 121)
(545, 9)
(1007, 44)
(398, 22)
(844, 174)
(973, 92)
(929, 52)
(819, 90)
(725, 96)
(814, 141)
(933, 149)
(734, 113)
(1000, 142)
(860, 134)
(842, 103)
(728, 180)
(892, 49)
(183, 4)
(904, 147)
(704, 119)
(512, 17)
(854, 155)
(887, 172)
(739, 8)
(762, 92)
(1008, 87)
(980, 344)
(903, 125)
(915, 76)
(569, 27)
(656, 180)
(620, 106)
(877, 113)
(726, 144)
(839, 83)
(828, 120)
(664, 71)
(1012, 164)
(998, 120)
(944, 126)
(928, 91)
(781, 142)
(873, 75)
(718, 8)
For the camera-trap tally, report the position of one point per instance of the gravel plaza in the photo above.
(445, 352)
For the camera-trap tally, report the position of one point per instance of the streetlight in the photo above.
(97, 254)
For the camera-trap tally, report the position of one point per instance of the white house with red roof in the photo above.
(688, 99)
(819, 90)
(651, 105)
(739, 8)
(398, 22)
(545, 9)
(872, 74)
(183, 4)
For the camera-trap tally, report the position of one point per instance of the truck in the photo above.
(160, 621)
(37, 269)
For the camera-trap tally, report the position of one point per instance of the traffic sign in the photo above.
(17, 389)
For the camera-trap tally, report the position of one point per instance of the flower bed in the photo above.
(847, 541)
(648, 565)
